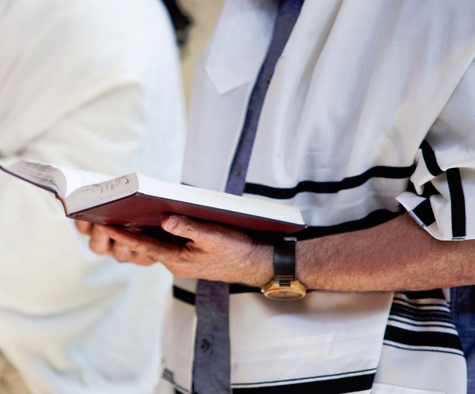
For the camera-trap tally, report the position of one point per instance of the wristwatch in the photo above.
(284, 286)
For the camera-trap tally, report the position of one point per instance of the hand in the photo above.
(101, 243)
(213, 252)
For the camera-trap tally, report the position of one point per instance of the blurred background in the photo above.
(204, 14)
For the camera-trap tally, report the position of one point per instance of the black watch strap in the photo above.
(284, 260)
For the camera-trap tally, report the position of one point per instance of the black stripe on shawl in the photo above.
(424, 294)
(335, 385)
(373, 219)
(420, 315)
(429, 190)
(416, 311)
(184, 295)
(410, 187)
(401, 320)
(415, 308)
(457, 198)
(330, 187)
(424, 212)
(429, 158)
(432, 339)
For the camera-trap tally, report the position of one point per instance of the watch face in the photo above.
(285, 295)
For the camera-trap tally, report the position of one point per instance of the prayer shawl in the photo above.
(371, 106)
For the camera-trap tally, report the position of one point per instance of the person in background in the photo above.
(181, 19)
(94, 85)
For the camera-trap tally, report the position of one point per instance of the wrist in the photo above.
(262, 268)
(284, 286)
(301, 267)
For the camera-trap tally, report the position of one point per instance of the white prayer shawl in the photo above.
(94, 85)
(365, 94)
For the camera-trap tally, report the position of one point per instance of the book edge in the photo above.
(298, 226)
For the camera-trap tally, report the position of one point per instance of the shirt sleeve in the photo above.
(442, 190)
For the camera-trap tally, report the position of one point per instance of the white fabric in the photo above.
(179, 340)
(93, 85)
(451, 137)
(297, 342)
(359, 85)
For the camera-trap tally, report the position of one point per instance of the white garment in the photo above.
(360, 85)
(93, 85)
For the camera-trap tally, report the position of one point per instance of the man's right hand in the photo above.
(101, 243)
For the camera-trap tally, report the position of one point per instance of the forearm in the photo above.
(397, 255)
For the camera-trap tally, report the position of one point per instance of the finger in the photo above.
(141, 259)
(139, 243)
(83, 227)
(132, 240)
(100, 242)
(121, 252)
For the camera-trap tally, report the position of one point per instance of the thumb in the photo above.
(182, 226)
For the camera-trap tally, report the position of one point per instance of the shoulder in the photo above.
(96, 30)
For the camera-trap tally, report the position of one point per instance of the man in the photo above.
(93, 85)
(352, 108)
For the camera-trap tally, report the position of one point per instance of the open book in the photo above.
(140, 202)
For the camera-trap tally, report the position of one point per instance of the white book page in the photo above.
(100, 192)
(79, 178)
(40, 174)
(62, 180)
(220, 200)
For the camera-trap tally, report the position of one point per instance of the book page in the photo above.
(79, 178)
(42, 175)
(61, 180)
(102, 191)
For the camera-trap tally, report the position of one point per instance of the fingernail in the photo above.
(170, 223)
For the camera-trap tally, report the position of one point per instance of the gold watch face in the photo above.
(295, 291)
(284, 295)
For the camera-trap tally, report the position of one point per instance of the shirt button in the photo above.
(204, 345)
